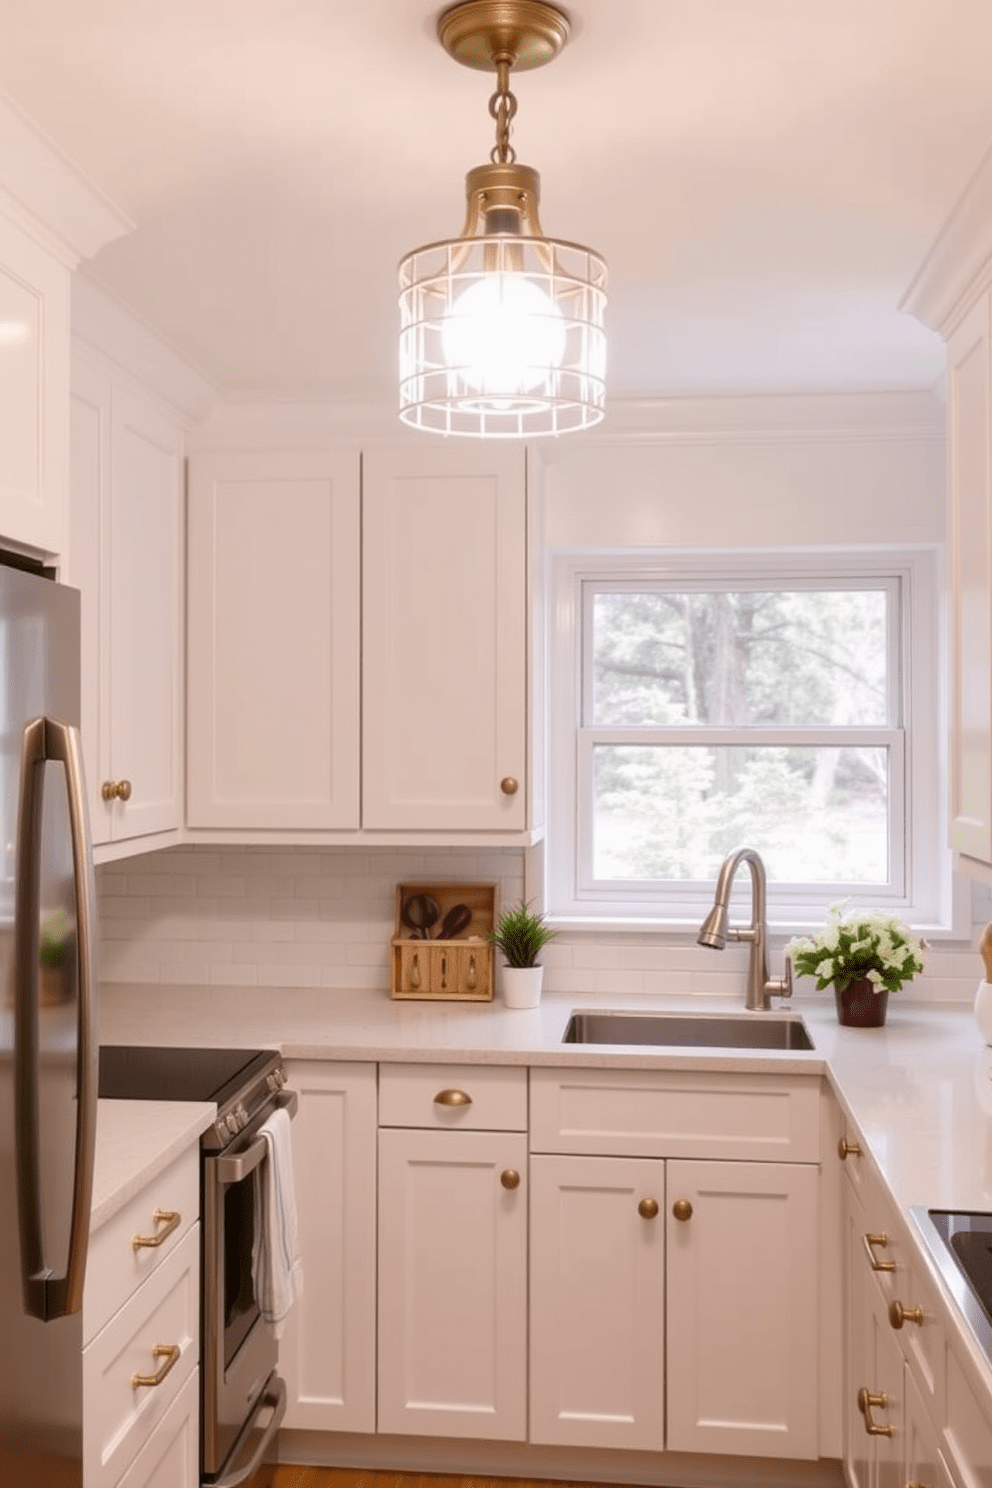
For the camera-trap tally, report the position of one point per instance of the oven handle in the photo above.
(236, 1169)
(273, 1397)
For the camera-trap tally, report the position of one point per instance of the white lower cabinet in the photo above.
(327, 1353)
(453, 1252)
(742, 1334)
(453, 1284)
(597, 1302)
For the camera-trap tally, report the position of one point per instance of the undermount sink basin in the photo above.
(688, 1030)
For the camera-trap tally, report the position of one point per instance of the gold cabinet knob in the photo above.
(452, 1098)
(648, 1208)
(509, 785)
(510, 1178)
(866, 1399)
(899, 1315)
(116, 790)
(848, 1149)
(682, 1210)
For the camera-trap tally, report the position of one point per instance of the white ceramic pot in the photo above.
(983, 1010)
(522, 986)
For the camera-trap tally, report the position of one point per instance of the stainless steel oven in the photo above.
(243, 1398)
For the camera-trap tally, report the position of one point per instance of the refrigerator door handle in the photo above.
(47, 1294)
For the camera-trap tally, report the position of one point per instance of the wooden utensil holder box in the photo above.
(456, 970)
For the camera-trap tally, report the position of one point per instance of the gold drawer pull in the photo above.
(452, 1098)
(170, 1353)
(170, 1219)
(899, 1315)
(682, 1210)
(510, 1178)
(865, 1402)
(848, 1149)
(648, 1208)
(881, 1240)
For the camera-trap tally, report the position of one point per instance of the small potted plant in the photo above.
(863, 956)
(520, 936)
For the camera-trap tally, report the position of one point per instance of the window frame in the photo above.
(920, 885)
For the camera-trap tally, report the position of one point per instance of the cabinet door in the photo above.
(444, 640)
(126, 558)
(327, 1353)
(34, 393)
(597, 1314)
(273, 690)
(969, 436)
(453, 1283)
(146, 587)
(742, 1286)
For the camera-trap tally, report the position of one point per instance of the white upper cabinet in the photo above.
(273, 655)
(126, 557)
(951, 294)
(34, 393)
(445, 640)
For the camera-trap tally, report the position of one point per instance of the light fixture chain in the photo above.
(503, 108)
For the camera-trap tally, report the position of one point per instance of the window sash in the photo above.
(636, 892)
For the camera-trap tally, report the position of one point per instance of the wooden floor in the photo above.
(342, 1477)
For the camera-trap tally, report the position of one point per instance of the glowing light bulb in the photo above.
(502, 336)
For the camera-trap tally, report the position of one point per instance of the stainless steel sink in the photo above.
(689, 1030)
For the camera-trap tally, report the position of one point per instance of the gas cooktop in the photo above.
(960, 1243)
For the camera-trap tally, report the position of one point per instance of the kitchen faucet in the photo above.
(715, 932)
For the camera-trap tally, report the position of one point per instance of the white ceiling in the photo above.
(763, 176)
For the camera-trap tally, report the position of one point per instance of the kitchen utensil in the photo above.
(454, 922)
(419, 913)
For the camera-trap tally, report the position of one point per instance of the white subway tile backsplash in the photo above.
(323, 917)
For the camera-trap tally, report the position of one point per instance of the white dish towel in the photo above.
(277, 1269)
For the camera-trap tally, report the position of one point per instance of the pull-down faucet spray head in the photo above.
(713, 930)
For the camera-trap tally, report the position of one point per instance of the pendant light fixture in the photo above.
(501, 329)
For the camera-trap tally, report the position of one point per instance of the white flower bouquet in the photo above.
(852, 947)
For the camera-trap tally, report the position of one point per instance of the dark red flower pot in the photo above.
(860, 1006)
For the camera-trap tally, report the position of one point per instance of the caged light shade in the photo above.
(502, 330)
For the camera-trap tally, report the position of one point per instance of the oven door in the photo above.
(243, 1397)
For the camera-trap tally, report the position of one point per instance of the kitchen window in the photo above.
(785, 702)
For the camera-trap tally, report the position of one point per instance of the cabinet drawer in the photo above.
(668, 1113)
(116, 1266)
(120, 1416)
(170, 1457)
(496, 1099)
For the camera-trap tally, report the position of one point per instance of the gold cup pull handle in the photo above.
(510, 1178)
(870, 1242)
(682, 1210)
(847, 1149)
(169, 1219)
(452, 1098)
(866, 1400)
(169, 1353)
(648, 1208)
(899, 1315)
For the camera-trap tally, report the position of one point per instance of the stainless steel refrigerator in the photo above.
(48, 1033)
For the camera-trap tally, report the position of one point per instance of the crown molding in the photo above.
(959, 264)
(65, 211)
(101, 326)
(917, 415)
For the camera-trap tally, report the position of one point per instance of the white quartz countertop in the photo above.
(135, 1141)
